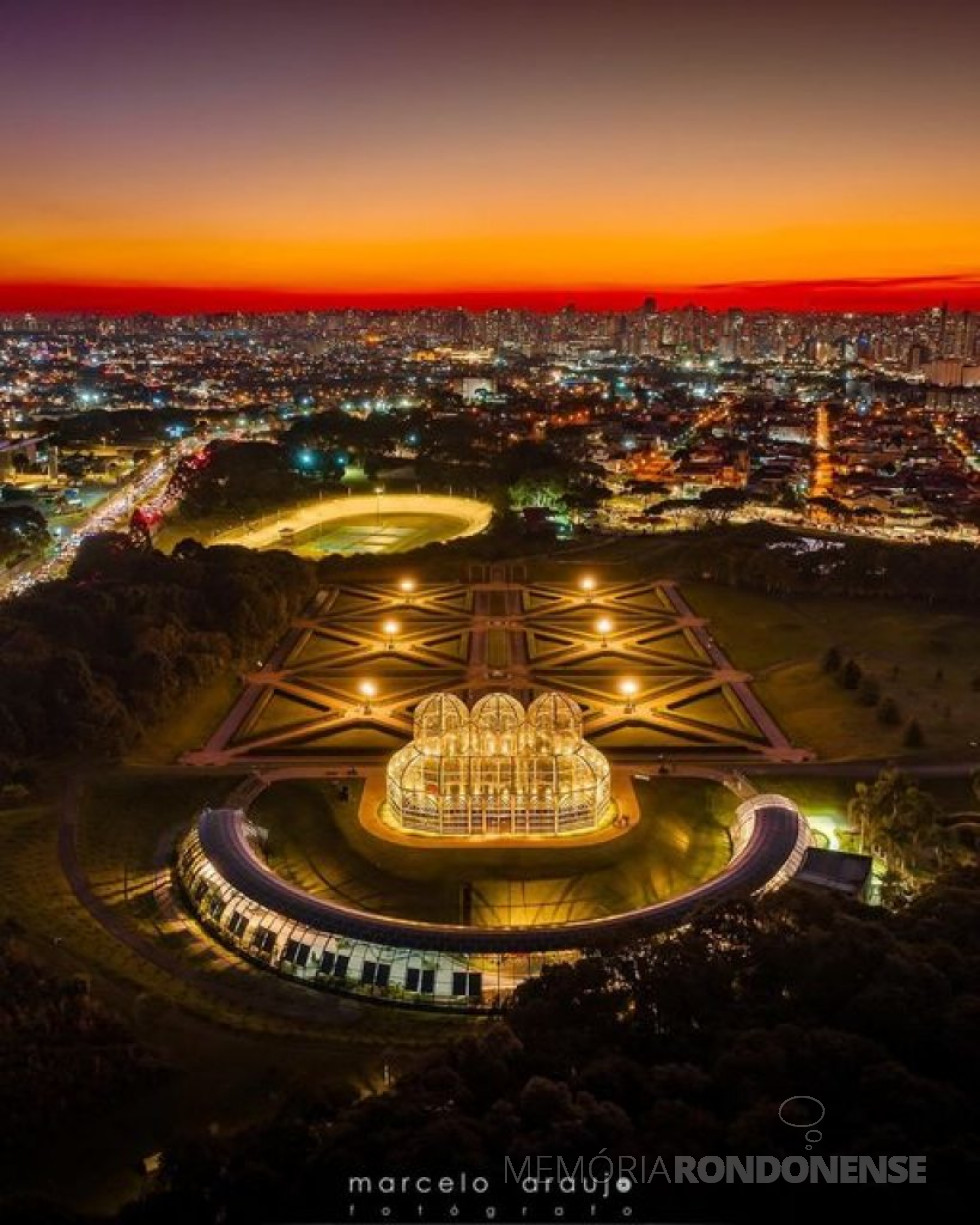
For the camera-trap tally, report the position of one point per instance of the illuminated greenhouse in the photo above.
(498, 769)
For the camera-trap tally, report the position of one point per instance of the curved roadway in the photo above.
(776, 834)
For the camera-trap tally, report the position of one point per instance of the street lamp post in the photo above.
(587, 587)
(367, 690)
(628, 689)
(407, 587)
(391, 628)
(603, 629)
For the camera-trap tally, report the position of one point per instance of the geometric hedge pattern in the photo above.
(306, 703)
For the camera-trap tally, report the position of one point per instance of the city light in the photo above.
(652, 348)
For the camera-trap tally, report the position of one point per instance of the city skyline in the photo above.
(489, 587)
(170, 159)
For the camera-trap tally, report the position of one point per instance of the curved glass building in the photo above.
(236, 896)
(498, 769)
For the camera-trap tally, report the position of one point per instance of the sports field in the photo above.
(364, 523)
(371, 533)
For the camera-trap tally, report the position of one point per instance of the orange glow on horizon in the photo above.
(844, 265)
(213, 157)
(885, 294)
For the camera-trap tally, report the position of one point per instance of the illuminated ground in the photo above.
(364, 523)
(317, 842)
(306, 721)
(369, 534)
(643, 665)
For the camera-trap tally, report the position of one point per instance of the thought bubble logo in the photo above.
(804, 1111)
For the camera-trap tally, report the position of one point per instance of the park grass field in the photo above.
(316, 841)
(188, 727)
(361, 534)
(928, 662)
(373, 534)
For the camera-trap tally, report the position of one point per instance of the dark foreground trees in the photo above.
(62, 1055)
(240, 478)
(90, 662)
(23, 533)
(684, 1045)
(759, 556)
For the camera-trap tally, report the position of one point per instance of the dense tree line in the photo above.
(761, 557)
(88, 663)
(61, 1053)
(23, 533)
(241, 478)
(336, 439)
(783, 562)
(121, 426)
(906, 827)
(459, 451)
(937, 573)
(684, 1045)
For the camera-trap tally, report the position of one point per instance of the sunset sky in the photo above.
(206, 153)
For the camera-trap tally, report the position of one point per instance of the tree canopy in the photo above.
(23, 533)
(91, 661)
(685, 1044)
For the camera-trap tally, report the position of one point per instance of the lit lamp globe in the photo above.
(391, 629)
(407, 587)
(603, 627)
(629, 688)
(587, 587)
(368, 690)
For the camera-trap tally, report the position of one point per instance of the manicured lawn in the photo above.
(498, 648)
(317, 841)
(124, 814)
(363, 533)
(926, 661)
(368, 534)
(190, 726)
